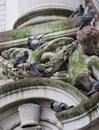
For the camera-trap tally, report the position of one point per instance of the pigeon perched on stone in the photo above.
(37, 70)
(85, 20)
(59, 106)
(34, 43)
(77, 11)
(21, 58)
(94, 89)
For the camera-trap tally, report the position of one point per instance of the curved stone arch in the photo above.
(39, 88)
(29, 90)
(37, 92)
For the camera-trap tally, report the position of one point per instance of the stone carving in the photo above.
(29, 115)
(61, 58)
(47, 61)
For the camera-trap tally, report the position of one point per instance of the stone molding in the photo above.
(57, 10)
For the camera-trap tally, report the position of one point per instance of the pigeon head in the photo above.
(81, 6)
(30, 39)
(34, 64)
(26, 53)
(52, 101)
(81, 9)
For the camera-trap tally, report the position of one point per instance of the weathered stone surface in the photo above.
(88, 37)
(77, 68)
(93, 66)
(29, 115)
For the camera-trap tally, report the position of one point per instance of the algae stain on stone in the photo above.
(60, 26)
(20, 34)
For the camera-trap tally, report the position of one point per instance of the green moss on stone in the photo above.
(94, 63)
(72, 90)
(18, 34)
(78, 110)
(60, 26)
(37, 55)
(80, 58)
(85, 106)
(79, 68)
(77, 63)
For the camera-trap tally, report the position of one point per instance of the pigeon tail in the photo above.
(91, 92)
(68, 107)
(81, 27)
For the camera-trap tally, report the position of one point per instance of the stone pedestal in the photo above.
(29, 115)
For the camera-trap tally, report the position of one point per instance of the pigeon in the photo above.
(37, 70)
(34, 43)
(94, 89)
(21, 58)
(59, 106)
(77, 11)
(85, 20)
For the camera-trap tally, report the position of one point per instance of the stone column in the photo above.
(30, 115)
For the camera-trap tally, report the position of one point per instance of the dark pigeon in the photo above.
(94, 89)
(59, 106)
(34, 43)
(77, 11)
(21, 58)
(85, 20)
(37, 70)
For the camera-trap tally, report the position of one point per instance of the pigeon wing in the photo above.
(74, 13)
(91, 92)
(96, 85)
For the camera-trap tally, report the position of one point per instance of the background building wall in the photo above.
(2, 15)
(11, 13)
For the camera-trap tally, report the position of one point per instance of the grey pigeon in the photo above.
(34, 43)
(37, 70)
(21, 58)
(94, 89)
(59, 106)
(85, 20)
(77, 11)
